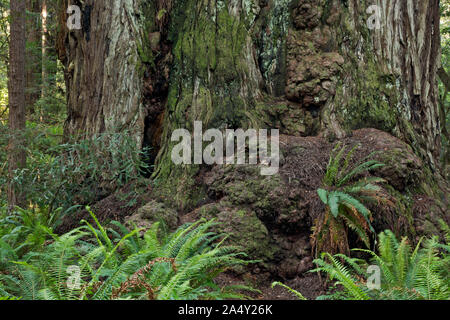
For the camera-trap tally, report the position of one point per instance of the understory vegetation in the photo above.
(94, 262)
(105, 263)
(405, 272)
(343, 199)
(401, 271)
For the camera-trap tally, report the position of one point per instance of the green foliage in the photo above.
(51, 107)
(26, 229)
(344, 202)
(75, 173)
(336, 269)
(406, 273)
(295, 292)
(413, 274)
(115, 263)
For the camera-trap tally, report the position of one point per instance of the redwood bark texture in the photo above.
(16, 93)
(33, 63)
(104, 84)
(306, 67)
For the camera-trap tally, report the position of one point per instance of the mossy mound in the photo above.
(244, 228)
(153, 212)
(271, 216)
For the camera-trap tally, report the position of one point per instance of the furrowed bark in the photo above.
(16, 92)
(34, 65)
(104, 81)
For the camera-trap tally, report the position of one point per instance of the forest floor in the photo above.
(115, 207)
(309, 286)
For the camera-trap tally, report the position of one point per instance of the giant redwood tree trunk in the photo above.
(233, 62)
(306, 67)
(318, 70)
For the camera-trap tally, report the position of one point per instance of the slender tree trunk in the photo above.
(44, 44)
(51, 52)
(33, 56)
(16, 91)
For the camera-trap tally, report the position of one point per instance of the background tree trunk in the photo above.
(44, 45)
(33, 55)
(103, 74)
(16, 92)
(389, 76)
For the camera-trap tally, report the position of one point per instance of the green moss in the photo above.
(207, 76)
(367, 95)
(209, 65)
(401, 219)
(290, 119)
(370, 103)
(147, 20)
(244, 229)
(176, 186)
(209, 44)
(248, 188)
(211, 80)
(272, 44)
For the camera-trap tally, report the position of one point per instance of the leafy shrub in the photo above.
(61, 175)
(25, 230)
(294, 292)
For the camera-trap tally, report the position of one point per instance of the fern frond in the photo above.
(295, 292)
